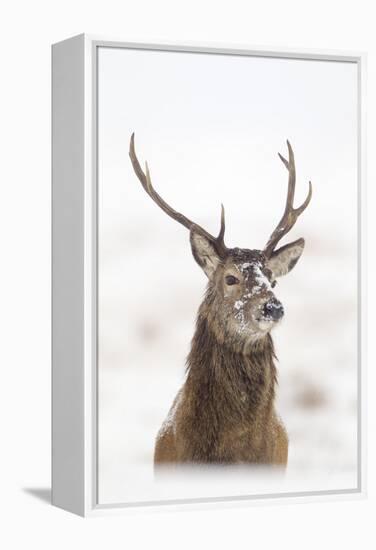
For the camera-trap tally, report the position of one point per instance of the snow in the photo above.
(150, 287)
(262, 281)
(145, 332)
(169, 421)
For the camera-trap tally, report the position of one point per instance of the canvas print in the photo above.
(227, 276)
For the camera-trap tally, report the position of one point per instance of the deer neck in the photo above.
(227, 382)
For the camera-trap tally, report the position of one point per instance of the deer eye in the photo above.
(273, 284)
(231, 280)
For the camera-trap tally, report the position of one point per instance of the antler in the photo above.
(290, 214)
(144, 177)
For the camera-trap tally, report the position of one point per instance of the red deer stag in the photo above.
(224, 413)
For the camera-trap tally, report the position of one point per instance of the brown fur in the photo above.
(225, 411)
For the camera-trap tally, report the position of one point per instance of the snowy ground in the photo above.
(145, 335)
(207, 144)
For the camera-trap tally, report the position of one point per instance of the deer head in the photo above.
(240, 303)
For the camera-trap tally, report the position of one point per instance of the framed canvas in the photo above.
(170, 310)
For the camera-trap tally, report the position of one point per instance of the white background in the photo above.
(210, 130)
(27, 30)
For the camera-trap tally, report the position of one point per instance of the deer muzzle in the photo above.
(273, 310)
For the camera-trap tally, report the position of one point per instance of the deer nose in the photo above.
(273, 310)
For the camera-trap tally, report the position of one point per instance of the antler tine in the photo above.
(290, 214)
(145, 179)
(221, 233)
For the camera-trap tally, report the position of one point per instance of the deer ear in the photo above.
(285, 258)
(204, 253)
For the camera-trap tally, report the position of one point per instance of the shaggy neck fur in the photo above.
(226, 393)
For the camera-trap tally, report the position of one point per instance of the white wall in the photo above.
(27, 29)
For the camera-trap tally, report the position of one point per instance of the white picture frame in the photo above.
(74, 273)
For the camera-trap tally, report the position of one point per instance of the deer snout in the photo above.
(273, 309)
